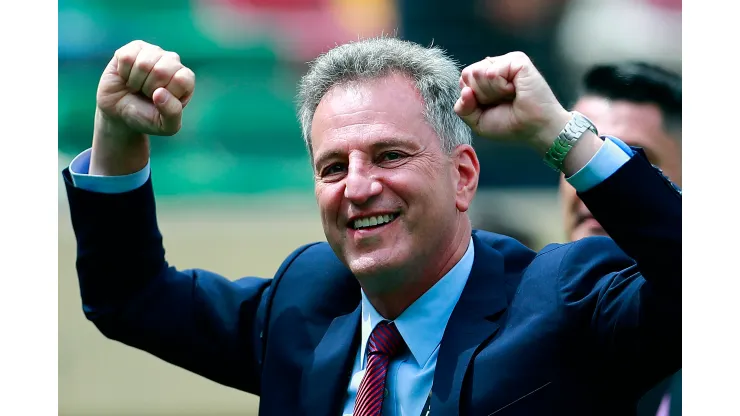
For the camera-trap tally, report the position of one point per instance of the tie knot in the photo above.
(385, 339)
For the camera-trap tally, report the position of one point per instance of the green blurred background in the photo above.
(234, 187)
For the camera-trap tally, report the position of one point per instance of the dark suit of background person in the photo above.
(641, 104)
(575, 329)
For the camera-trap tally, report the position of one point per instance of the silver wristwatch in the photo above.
(567, 138)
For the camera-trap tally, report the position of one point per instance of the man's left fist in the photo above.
(506, 98)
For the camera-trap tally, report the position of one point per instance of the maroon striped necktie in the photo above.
(384, 343)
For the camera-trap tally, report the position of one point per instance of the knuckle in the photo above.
(190, 74)
(125, 57)
(154, 50)
(130, 48)
(144, 65)
(520, 56)
(160, 72)
(185, 76)
(172, 56)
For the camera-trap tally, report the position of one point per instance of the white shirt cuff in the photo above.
(80, 167)
(610, 157)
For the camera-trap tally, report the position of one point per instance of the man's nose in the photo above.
(361, 186)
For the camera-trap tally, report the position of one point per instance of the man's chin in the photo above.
(368, 264)
(373, 268)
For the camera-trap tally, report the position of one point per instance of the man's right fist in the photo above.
(144, 89)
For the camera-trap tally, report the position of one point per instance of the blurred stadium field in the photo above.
(100, 377)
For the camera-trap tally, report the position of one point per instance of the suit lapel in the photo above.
(327, 379)
(474, 319)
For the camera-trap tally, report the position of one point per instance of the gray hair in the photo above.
(435, 74)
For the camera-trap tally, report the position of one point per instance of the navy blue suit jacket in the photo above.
(576, 329)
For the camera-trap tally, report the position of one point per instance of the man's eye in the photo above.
(333, 169)
(391, 156)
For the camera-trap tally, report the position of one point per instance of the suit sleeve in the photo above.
(194, 319)
(632, 302)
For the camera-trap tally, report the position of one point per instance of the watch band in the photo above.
(573, 130)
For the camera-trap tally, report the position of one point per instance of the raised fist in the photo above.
(144, 90)
(506, 98)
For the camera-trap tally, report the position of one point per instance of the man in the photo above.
(641, 104)
(406, 309)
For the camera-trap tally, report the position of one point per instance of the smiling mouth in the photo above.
(374, 221)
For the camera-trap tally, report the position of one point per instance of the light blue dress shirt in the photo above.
(409, 377)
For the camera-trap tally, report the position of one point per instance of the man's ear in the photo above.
(467, 172)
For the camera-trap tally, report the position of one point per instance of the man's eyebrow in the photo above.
(391, 142)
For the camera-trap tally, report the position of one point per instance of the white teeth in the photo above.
(371, 221)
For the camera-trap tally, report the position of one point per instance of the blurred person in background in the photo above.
(462, 321)
(641, 104)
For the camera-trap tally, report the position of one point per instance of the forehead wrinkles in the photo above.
(395, 94)
(361, 135)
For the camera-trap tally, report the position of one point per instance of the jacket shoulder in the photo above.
(313, 277)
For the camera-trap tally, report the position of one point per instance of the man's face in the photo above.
(637, 125)
(387, 193)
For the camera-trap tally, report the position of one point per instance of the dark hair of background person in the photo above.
(638, 82)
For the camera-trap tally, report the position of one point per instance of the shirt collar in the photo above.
(423, 323)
